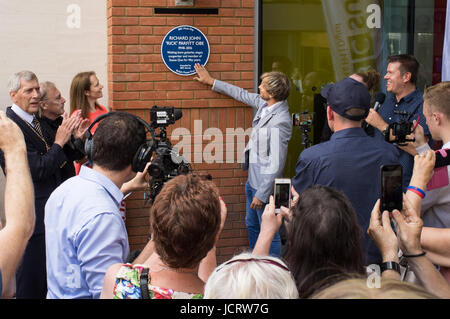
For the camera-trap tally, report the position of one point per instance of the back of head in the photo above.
(408, 63)
(349, 98)
(324, 238)
(14, 81)
(78, 99)
(357, 288)
(116, 141)
(247, 276)
(437, 97)
(277, 84)
(185, 219)
(371, 78)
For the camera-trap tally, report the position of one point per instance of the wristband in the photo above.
(390, 265)
(417, 191)
(413, 256)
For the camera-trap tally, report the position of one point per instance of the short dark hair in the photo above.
(408, 63)
(116, 141)
(324, 239)
(184, 220)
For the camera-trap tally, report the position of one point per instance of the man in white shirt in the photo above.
(436, 203)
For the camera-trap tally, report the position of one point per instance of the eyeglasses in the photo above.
(264, 260)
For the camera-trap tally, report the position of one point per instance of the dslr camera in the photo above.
(166, 163)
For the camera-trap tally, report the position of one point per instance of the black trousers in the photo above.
(31, 275)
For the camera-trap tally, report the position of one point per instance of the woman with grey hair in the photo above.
(248, 276)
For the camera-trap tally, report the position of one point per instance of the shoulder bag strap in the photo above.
(144, 284)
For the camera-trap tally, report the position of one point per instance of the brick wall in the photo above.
(138, 79)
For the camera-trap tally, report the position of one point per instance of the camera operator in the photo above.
(84, 230)
(401, 76)
(350, 161)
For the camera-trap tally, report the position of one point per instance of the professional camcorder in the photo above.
(400, 130)
(166, 163)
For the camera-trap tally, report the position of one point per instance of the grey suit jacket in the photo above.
(265, 153)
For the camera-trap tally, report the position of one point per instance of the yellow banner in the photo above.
(354, 35)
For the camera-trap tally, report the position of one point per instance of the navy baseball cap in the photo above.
(345, 95)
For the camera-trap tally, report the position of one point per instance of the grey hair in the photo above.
(14, 80)
(43, 88)
(249, 278)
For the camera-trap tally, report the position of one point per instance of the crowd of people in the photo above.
(67, 175)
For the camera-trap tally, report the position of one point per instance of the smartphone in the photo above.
(281, 193)
(391, 188)
(442, 158)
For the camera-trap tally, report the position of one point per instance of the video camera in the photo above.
(400, 130)
(304, 122)
(166, 163)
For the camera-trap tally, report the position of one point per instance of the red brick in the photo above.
(176, 21)
(123, 21)
(244, 12)
(207, 3)
(140, 86)
(124, 58)
(139, 49)
(221, 30)
(180, 95)
(153, 21)
(139, 30)
(207, 21)
(125, 96)
(154, 3)
(125, 77)
(124, 3)
(139, 67)
(124, 39)
(141, 12)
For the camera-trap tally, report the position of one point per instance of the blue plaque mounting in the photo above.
(182, 47)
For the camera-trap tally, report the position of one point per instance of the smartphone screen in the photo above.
(391, 188)
(282, 191)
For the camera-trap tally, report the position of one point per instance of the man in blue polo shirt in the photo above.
(401, 77)
(350, 161)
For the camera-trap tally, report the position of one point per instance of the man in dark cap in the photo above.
(350, 161)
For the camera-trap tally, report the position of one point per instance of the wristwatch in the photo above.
(386, 134)
(390, 265)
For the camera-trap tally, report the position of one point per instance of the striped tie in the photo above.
(37, 126)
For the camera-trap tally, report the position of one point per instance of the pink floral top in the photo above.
(128, 286)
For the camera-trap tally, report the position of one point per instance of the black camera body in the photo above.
(164, 116)
(400, 130)
(166, 162)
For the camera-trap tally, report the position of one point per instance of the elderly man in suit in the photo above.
(265, 153)
(45, 160)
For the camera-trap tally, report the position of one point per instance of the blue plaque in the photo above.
(182, 47)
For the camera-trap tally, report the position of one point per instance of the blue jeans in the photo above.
(253, 222)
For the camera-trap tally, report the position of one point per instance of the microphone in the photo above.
(379, 100)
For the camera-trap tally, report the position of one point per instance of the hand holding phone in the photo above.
(391, 188)
(282, 193)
